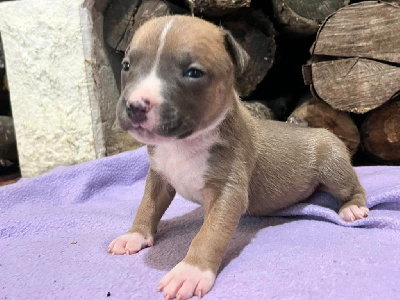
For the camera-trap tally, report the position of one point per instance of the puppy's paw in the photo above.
(129, 243)
(185, 281)
(353, 212)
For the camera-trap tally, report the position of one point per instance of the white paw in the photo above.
(353, 212)
(129, 243)
(185, 281)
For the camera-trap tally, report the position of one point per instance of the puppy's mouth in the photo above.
(165, 131)
(178, 128)
(138, 129)
(163, 123)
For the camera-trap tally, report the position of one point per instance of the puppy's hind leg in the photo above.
(338, 178)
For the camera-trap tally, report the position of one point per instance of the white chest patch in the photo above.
(184, 164)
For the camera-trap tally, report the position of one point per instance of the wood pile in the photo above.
(356, 54)
(355, 67)
(348, 54)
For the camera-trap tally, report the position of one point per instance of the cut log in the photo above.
(255, 33)
(355, 84)
(367, 29)
(380, 133)
(101, 5)
(318, 114)
(119, 19)
(259, 110)
(356, 59)
(216, 7)
(123, 17)
(303, 17)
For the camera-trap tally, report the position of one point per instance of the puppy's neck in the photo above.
(200, 141)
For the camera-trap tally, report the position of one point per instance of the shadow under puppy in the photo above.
(178, 97)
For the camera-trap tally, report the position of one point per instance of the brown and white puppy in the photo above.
(178, 96)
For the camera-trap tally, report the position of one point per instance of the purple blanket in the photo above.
(55, 229)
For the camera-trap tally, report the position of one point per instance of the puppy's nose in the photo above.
(137, 110)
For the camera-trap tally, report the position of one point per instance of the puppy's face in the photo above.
(177, 78)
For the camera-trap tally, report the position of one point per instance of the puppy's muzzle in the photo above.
(137, 110)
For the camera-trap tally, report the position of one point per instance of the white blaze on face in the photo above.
(150, 88)
(162, 43)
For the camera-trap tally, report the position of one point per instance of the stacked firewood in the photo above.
(346, 53)
(355, 67)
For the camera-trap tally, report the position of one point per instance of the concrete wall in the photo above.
(63, 91)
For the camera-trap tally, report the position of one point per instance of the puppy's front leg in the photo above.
(196, 274)
(157, 197)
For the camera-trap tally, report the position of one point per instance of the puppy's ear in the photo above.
(239, 56)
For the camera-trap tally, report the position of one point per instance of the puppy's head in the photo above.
(177, 78)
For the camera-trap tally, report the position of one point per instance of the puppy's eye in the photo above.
(194, 73)
(125, 66)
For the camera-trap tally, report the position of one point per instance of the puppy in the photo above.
(178, 97)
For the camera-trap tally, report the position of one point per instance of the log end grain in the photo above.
(356, 85)
(367, 29)
(380, 133)
(318, 114)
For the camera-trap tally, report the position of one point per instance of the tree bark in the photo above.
(255, 33)
(123, 17)
(380, 133)
(216, 7)
(303, 17)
